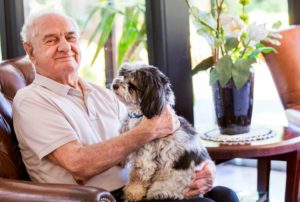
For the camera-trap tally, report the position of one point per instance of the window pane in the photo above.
(267, 105)
(129, 36)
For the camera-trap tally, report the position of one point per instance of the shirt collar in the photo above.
(59, 88)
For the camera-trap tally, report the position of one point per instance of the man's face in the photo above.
(55, 49)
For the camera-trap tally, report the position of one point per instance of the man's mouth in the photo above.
(66, 57)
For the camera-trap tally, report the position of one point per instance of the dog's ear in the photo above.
(154, 95)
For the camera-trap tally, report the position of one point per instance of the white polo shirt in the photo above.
(48, 115)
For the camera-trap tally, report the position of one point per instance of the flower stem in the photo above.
(244, 51)
(219, 11)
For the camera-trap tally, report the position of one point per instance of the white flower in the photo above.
(232, 25)
(256, 32)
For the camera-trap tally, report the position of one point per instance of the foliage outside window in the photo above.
(96, 18)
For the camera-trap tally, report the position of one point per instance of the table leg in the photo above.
(263, 176)
(292, 177)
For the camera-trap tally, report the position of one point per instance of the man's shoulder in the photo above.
(104, 92)
(28, 92)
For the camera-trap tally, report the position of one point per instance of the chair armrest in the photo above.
(17, 190)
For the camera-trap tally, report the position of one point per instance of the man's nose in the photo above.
(64, 45)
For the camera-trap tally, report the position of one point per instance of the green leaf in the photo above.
(257, 51)
(241, 70)
(213, 77)
(89, 17)
(203, 65)
(272, 41)
(107, 27)
(223, 69)
(277, 25)
(231, 43)
(203, 19)
(135, 45)
(207, 35)
(105, 15)
(275, 35)
(259, 45)
(130, 31)
(205, 25)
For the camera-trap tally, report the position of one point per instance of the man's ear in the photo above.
(29, 50)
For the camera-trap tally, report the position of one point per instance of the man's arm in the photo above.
(84, 162)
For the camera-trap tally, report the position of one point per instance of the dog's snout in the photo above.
(115, 86)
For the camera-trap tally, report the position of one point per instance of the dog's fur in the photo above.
(164, 167)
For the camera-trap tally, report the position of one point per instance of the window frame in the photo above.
(11, 21)
(171, 55)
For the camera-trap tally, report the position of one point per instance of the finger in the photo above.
(203, 183)
(197, 191)
(193, 193)
(201, 175)
(205, 172)
(201, 166)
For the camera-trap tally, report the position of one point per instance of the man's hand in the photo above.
(203, 180)
(164, 124)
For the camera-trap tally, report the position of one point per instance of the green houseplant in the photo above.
(236, 46)
(133, 30)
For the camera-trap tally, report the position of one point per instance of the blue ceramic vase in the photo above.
(234, 106)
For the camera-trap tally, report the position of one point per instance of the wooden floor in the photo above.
(242, 179)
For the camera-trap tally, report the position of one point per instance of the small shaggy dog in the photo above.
(164, 167)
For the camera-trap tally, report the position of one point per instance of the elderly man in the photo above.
(68, 129)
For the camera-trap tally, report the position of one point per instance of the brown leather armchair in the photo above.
(15, 184)
(285, 67)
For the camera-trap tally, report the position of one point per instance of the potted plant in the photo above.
(236, 46)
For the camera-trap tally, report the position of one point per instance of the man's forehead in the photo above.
(54, 24)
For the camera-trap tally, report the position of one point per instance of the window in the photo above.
(267, 105)
(126, 43)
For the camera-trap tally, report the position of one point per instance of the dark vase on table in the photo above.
(234, 106)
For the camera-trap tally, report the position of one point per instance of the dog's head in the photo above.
(143, 87)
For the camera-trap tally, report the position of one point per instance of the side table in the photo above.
(284, 146)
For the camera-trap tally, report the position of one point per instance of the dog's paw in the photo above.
(134, 192)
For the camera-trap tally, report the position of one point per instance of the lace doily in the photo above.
(255, 134)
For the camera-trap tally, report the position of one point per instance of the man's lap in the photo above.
(217, 194)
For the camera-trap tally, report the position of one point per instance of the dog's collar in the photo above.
(134, 115)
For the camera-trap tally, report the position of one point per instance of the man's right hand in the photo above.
(162, 125)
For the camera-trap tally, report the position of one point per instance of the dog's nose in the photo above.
(115, 86)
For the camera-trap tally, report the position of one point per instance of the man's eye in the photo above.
(50, 41)
(71, 38)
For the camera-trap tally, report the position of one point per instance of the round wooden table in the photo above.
(284, 146)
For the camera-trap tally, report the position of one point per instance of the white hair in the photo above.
(27, 29)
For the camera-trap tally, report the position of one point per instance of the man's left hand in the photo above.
(203, 180)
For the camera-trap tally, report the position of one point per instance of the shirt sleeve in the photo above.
(40, 126)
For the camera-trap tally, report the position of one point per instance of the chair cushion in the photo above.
(14, 74)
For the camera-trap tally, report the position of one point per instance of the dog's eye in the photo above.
(132, 86)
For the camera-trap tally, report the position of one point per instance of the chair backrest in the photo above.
(14, 74)
(285, 67)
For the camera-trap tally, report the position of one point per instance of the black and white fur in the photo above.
(164, 167)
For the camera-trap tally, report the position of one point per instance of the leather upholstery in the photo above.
(285, 68)
(14, 181)
(14, 74)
